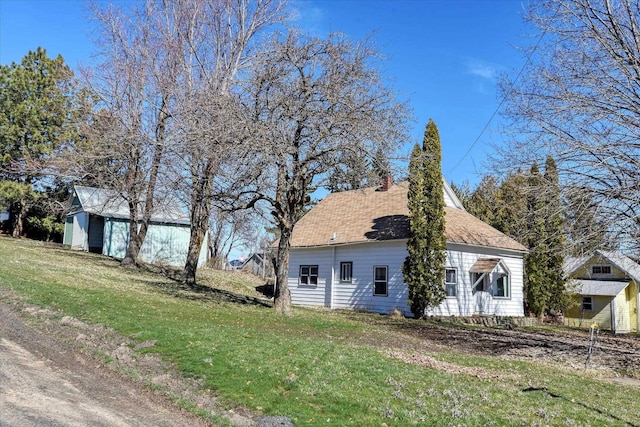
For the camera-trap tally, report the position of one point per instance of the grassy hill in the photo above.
(318, 367)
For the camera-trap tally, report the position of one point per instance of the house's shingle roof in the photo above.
(599, 287)
(373, 215)
(623, 262)
(109, 204)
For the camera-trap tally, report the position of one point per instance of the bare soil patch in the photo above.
(616, 356)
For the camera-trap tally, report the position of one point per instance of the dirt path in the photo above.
(44, 383)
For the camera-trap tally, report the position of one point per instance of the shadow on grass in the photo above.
(177, 288)
(174, 287)
(597, 410)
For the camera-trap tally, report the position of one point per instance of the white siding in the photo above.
(465, 303)
(320, 294)
(359, 293)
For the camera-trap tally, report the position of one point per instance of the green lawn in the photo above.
(316, 367)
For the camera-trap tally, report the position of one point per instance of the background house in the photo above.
(348, 251)
(606, 287)
(98, 222)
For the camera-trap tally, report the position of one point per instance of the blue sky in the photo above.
(444, 57)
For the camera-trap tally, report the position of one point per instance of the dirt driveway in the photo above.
(46, 383)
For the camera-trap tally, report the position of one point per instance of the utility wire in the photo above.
(504, 98)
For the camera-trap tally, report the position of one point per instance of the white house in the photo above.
(98, 221)
(348, 251)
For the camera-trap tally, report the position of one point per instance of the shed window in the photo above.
(450, 281)
(587, 304)
(309, 275)
(380, 281)
(345, 271)
(601, 269)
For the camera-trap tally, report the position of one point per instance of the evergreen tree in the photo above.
(462, 192)
(512, 204)
(483, 200)
(423, 268)
(537, 288)
(586, 231)
(558, 298)
(36, 108)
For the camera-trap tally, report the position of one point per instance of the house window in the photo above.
(380, 280)
(345, 271)
(309, 275)
(601, 269)
(587, 304)
(477, 281)
(501, 287)
(450, 281)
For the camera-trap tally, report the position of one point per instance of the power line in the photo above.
(504, 98)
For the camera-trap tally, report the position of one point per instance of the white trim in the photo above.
(505, 251)
(452, 195)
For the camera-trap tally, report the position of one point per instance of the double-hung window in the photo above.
(587, 304)
(380, 281)
(450, 281)
(309, 275)
(345, 272)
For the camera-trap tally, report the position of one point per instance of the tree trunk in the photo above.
(133, 248)
(200, 211)
(193, 255)
(282, 296)
(136, 237)
(18, 223)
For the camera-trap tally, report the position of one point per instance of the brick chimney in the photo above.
(387, 182)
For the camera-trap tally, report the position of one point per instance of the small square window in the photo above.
(450, 281)
(587, 304)
(380, 280)
(345, 272)
(309, 275)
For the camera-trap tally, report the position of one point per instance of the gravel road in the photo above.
(44, 383)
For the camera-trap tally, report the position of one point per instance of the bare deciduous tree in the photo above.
(229, 230)
(218, 37)
(316, 102)
(135, 87)
(579, 100)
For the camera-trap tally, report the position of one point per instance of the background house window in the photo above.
(380, 280)
(601, 269)
(309, 275)
(501, 287)
(450, 281)
(345, 271)
(587, 304)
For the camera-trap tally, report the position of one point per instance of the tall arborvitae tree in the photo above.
(559, 297)
(423, 268)
(536, 265)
